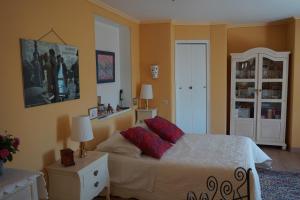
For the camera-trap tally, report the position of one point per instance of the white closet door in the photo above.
(183, 93)
(198, 84)
(191, 105)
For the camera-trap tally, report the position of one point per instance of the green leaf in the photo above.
(10, 157)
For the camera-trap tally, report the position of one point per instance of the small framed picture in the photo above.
(93, 113)
(105, 64)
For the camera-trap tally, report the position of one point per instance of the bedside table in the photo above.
(22, 184)
(145, 114)
(83, 181)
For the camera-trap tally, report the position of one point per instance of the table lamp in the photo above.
(81, 132)
(146, 93)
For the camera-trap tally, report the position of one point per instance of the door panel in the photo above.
(270, 104)
(183, 81)
(244, 96)
(190, 78)
(198, 83)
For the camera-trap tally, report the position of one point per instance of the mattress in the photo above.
(186, 167)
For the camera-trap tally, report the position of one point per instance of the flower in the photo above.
(16, 143)
(4, 153)
(8, 146)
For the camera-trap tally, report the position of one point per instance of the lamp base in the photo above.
(147, 105)
(82, 151)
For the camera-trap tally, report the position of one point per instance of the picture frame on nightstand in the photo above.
(93, 113)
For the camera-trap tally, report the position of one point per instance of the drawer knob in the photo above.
(96, 173)
(96, 184)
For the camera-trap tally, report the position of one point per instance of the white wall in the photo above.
(125, 65)
(107, 39)
(115, 38)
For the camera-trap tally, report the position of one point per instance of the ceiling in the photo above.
(208, 11)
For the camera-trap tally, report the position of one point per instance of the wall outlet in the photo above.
(165, 101)
(135, 101)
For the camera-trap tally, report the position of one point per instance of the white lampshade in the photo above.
(146, 92)
(81, 129)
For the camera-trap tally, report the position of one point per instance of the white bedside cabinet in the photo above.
(83, 181)
(145, 114)
(16, 184)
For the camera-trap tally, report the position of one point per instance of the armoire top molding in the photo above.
(261, 50)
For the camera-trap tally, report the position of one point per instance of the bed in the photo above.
(186, 167)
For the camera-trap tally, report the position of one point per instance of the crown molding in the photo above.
(247, 25)
(114, 10)
(186, 23)
(156, 21)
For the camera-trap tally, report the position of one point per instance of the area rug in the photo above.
(279, 185)
(275, 185)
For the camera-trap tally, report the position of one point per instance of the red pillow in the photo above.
(165, 129)
(149, 143)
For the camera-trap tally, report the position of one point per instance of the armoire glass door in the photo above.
(245, 88)
(270, 99)
(271, 89)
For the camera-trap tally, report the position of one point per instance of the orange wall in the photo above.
(44, 130)
(192, 32)
(218, 78)
(217, 35)
(294, 86)
(155, 48)
(157, 45)
(271, 36)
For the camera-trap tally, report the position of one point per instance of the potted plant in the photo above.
(8, 146)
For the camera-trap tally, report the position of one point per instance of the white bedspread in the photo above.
(185, 167)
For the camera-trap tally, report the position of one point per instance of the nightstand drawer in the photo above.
(95, 177)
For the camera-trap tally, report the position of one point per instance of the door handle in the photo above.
(190, 87)
(96, 184)
(96, 173)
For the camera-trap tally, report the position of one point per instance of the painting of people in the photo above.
(50, 72)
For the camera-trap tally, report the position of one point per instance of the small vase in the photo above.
(1, 167)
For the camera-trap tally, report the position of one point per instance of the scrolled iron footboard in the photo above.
(225, 188)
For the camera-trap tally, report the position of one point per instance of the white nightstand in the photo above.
(83, 181)
(145, 114)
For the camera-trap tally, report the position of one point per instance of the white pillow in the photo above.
(118, 144)
(143, 125)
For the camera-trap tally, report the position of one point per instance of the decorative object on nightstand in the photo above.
(67, 157)
(93, 112)
(146, 94)
(83, 181)
(81, 132)
(8, 146)
(154, 71)
(110, 109)
(143, 114)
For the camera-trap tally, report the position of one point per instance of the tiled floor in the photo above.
(283, 160)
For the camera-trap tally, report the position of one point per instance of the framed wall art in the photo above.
(105, 63)
(50, 72)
